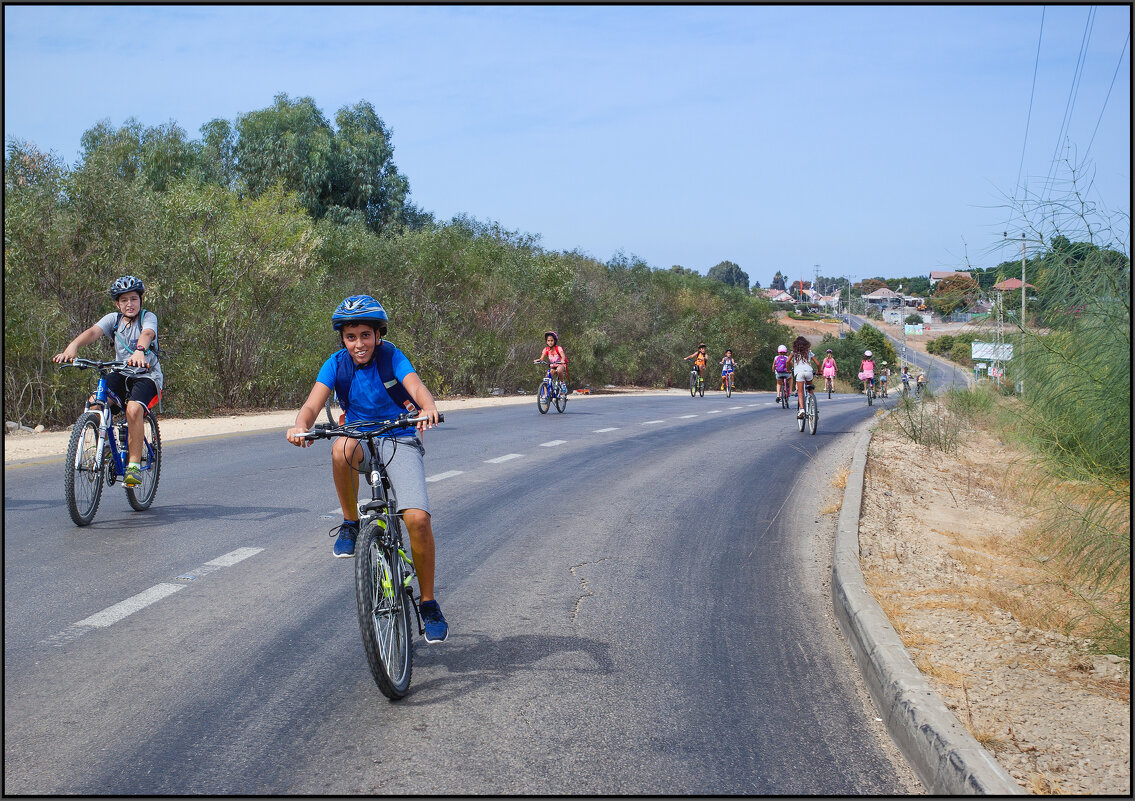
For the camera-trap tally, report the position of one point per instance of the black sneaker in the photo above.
(434, 622)
(345, 544)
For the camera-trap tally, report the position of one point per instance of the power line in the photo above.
(1113, 77)
(1032, 92)
(1072, 93)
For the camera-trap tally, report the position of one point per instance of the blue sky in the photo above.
(871, 140)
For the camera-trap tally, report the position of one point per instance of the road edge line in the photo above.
(944, 755)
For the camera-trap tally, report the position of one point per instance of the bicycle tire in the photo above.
(693, 384)
(561, 397)
(870, 396)
(829, 389)
(384, 613)
(728, 388)
(142, 496)
(813, 412)
(701, 387)
(542, 399)
(802, 421)
(83, 476)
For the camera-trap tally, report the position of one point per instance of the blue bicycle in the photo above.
(97, 449)
(551, 390)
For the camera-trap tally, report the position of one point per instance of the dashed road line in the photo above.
(653, 422)
(504, 458)
(123, 609)
(604, 430)
(736, 407)
(714, 411)
(686, 416)
(445, 475)
(552, 443)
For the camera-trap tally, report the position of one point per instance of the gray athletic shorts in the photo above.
(407, 470)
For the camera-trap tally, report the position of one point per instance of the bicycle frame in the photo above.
(108, 435)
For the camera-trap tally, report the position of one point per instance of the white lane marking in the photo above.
(653, 422)
(686, 416)
(714, 411)
(552, 443)
(736, 407)
(113, 614)
(604, 430)
(504, 458)
(751, 405)
(445, 475)
(231, 558)
(122, 609)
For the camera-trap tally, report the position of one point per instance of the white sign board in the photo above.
(914, 330)
(990, 352)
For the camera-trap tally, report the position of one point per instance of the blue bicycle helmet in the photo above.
(126, 283)
(360, 309)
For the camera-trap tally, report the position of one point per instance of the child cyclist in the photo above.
(829, 367)
(554, 355)
(780, 367)
(728, 365)
(700, 359)
(801, 361)
(361, 323)
(135, 334)
(884, 374)
(867, 371)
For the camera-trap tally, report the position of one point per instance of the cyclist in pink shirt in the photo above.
(554, 355)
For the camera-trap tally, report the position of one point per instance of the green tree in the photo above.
(729, 273)
(952, 293)
(777, 282)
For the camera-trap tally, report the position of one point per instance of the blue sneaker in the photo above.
(436, 627)
(345, 544)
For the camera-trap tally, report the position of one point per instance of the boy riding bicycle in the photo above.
(135, 334)
(727, 367)
(361, 323)
(700, 359)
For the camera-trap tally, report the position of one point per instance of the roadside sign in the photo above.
(914, 330)
(990, 352)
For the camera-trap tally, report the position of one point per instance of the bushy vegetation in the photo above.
(243, 272)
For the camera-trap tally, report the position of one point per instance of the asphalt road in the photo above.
(635, 605)
(940, 373)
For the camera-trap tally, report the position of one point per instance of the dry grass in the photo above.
(989, 739)
(1043, 784)
(839, 480)
(832, 507)
(944, 673)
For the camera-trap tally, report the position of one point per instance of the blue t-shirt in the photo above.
(369, 398)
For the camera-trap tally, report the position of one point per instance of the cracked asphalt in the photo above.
(636, 611)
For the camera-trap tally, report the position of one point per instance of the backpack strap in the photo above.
(151, 348)
(345, 369)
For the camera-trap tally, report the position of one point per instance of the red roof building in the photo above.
(1009, 284)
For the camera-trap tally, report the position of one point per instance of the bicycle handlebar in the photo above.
(355, 431)
(104, 367)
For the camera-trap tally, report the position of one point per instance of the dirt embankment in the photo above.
(945, 549)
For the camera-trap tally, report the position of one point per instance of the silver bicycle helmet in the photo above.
(126, 283)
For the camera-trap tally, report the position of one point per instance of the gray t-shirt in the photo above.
(126, 339)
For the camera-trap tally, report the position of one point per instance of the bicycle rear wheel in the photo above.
(543, 401)
(870, 395)
(384, 613)
(142, 496)
(813, 412)
(561, 397)
(82, 481)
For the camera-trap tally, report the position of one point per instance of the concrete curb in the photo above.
(944, 755)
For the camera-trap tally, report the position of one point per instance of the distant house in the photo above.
(779, 296)
(884, 298)
(1009, 285)
(938, 275)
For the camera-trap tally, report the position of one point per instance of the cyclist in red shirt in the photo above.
(554, 355)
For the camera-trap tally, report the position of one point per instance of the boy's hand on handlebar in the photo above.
(297, 438)
(433, 420)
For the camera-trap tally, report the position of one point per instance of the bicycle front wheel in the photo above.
(142, 496)
(728, 387)
(701, 388)
(384, 613)
(813, 412)
(561, 397)
(693, 384)
(82, 481)
(543, 399)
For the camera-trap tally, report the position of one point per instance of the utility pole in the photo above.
(1021, 380)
